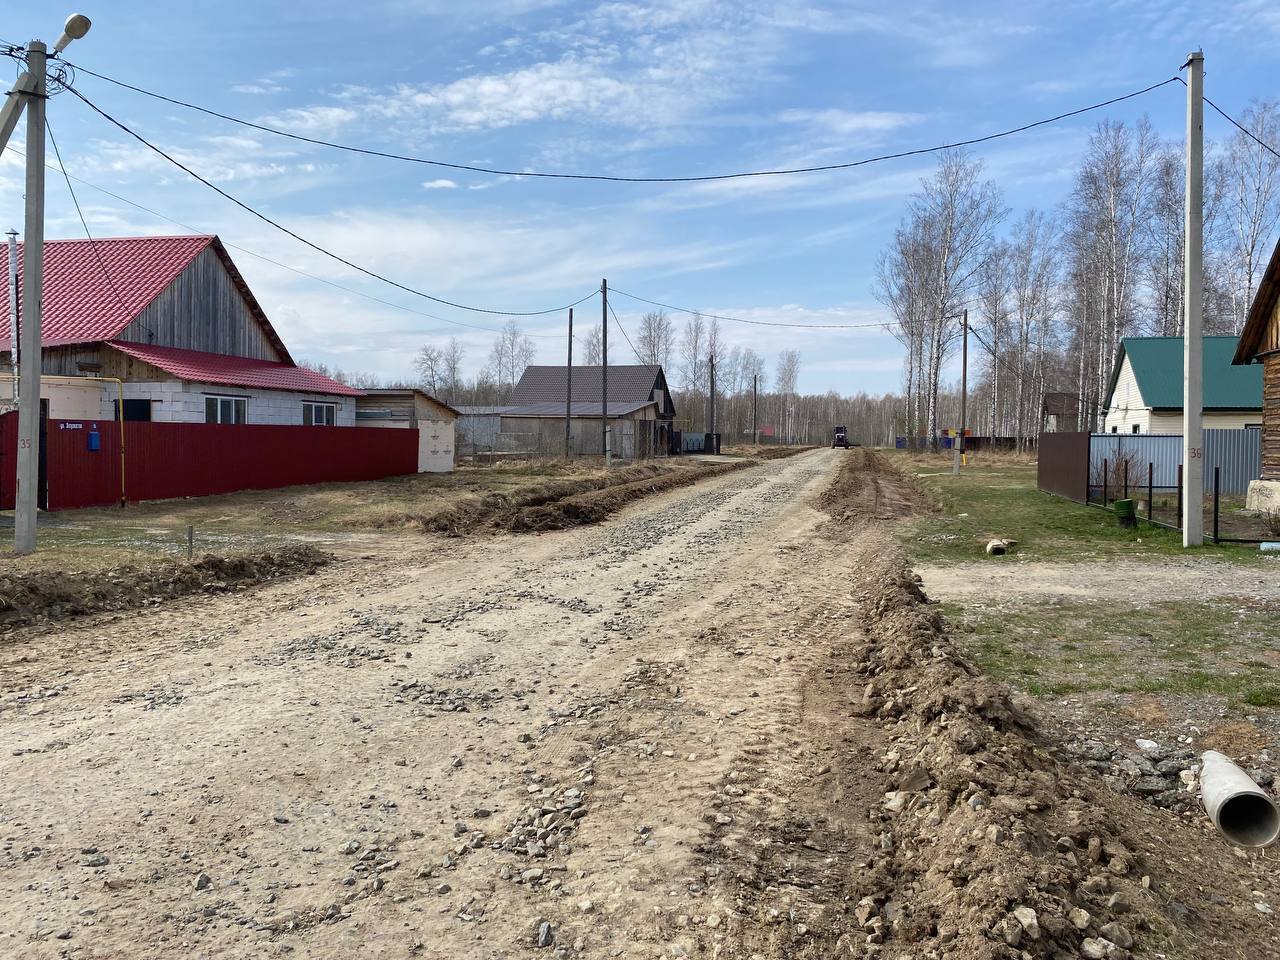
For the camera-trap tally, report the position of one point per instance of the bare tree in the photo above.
(592, 348)
(953, 217)
(429, 364)
(512, 352)
(788, 373)
(1251, 179)
(656, 339)
(451, 368)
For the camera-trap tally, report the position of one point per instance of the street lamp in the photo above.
(77, 26)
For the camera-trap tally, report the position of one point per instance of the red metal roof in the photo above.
(80, 304)
(233, 371)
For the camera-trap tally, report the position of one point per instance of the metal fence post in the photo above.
(1217, 473)
(1105, 470)
(1151, 503)
(1125, 472)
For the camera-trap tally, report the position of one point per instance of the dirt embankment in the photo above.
(557, 505)
(29, 597)
(868, 487)
(990, 844)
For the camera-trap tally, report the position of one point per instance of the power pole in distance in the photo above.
(568, 389)
(958, 445)
(711, 414)
(604, 372)
(755, 397)
(1193, 294)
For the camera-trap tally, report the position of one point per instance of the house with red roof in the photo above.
(174, 320)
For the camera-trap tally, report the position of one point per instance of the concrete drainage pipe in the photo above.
(1242, 811)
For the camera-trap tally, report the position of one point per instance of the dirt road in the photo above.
(717, 725)
(325, 766)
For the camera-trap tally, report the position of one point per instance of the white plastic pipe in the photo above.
(1242, 811)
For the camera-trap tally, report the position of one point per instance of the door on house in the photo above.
(42, 483)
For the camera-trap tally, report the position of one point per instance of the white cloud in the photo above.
(846, 123)
(441, 184)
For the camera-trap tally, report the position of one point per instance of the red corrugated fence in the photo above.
(164, 460)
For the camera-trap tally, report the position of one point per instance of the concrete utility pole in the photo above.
(29, 94)
(568, 389)
(957, 448)
(604, 373)
(24, 524)
(13, 310)
(1193, 297)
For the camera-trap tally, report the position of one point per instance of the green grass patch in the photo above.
(1053, 649)
(997, 497)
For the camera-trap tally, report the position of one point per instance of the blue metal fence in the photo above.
(1237, 452)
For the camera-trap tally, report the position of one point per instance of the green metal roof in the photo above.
(1157, 366)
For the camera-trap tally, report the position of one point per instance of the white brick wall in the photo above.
(175, 401)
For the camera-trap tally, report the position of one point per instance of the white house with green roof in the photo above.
(1145, 395)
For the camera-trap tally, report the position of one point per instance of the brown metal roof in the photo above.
(627, 384)
(584, 409)
(1260, 312)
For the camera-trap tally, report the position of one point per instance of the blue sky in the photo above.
(656, 89)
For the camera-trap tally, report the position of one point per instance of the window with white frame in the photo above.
(319, 414)
(225, 409)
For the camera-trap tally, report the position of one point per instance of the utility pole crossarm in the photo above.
(11, 112)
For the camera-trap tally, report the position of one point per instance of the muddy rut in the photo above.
(724, 723)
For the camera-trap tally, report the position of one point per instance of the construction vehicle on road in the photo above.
(841, 438)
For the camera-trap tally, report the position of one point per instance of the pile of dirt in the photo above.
(28, 597)
(559, 504)
(868, 487)
(991, 843)
(596, 505)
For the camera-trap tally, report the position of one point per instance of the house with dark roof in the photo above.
(1259, 349)
(174, 320)
(1145, 393)
(639, 412)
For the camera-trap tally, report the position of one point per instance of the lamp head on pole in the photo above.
(77, 26)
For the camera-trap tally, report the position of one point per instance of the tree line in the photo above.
(1050, 293)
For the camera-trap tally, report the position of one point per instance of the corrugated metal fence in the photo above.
(1237, 452)
(164, 460)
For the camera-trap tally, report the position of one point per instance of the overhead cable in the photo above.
(309, 243)
(499, 172)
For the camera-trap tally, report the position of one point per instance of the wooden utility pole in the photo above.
(604, 372)
(755, 398)
(958, 446)
(711, 412)
(568, 391)
(1193, 294)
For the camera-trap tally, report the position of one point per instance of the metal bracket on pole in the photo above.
(13, 104)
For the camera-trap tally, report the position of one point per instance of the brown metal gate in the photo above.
(1063, 465)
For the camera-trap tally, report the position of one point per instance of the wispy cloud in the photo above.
(441, 184)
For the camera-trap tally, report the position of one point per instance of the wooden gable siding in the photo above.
(65, 361)
(1271, 418)
(400, 404)
(203, 309)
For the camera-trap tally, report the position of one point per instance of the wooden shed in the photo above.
(1260, 343)
(408, 408)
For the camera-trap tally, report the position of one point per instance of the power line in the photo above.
(303, 240)
(760, 323)
(284, 266)
(493, 171)
(1238, 125)
(126, 311)
(618, 324)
